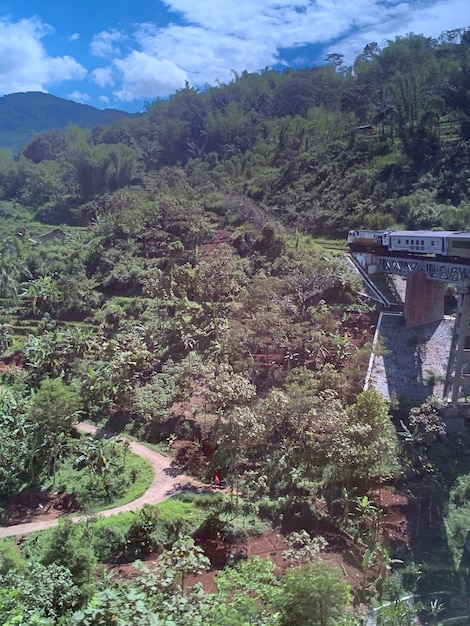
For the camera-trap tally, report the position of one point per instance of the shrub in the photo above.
(109, 543)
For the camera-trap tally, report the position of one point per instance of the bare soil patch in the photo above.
(270, 545)
(40, 506)
(341, 552)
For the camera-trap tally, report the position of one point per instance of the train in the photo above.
(446, 243)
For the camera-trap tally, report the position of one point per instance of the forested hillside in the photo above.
(192, 291)
(383, 142)
(23, 115)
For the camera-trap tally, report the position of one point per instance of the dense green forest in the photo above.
(382, 142)
(24, 115)
(196, 296)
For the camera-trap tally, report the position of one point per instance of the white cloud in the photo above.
(79, 96)
(213, 37)
(75, 37)
(103, 76)
(279, 23)
(206, 55)
(24, 63)
(434, 18)
(292, 23)
(144, 76)
(103, 44)
(420, 18)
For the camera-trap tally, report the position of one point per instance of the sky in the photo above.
(124, 53)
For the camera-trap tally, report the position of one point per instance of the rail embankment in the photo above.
(409, 364)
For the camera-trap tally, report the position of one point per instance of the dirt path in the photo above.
(166, 482)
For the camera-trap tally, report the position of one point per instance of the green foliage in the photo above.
(54, 407)
(109, 543)
(13, 613)
(48, 591)
(17, 443)
(68, 547)
(24, 114)
(52, 410)
(397, 614)
(370, 437)
(239, 340)
(313, 595)
(302, 548)
(184, 558)
(140, 536)
(102, 474)
(456, 520)
(122, 606)
(11, 558)
(322, 147)
(247, 593)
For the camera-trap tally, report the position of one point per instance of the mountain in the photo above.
(22, 115)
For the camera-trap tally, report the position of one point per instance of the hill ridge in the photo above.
(25, 114)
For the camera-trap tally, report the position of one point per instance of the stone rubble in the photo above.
(409, 364)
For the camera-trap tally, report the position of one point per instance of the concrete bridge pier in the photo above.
(457, 384)
(424, 299)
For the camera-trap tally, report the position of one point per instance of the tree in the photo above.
(47, 146)
(119, 605)
(181, 560)
(313, 595)
(410, 66)
(17, 441)
(369, 442)
(12, 268)
(93, 454)
(43, 295)
(53, 409)
(246, 594)
(156, 597)
(14, 613)
(104, 167)
(69, 548)
(48, 591)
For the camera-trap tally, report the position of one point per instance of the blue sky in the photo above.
(122, 53)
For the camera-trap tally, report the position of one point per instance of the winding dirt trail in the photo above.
(166, 482)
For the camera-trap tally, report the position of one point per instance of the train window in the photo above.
(407, 242)
(399, 241)
(432, 243)
(422, 242)
(460, 243)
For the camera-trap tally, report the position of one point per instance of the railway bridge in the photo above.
(426, 278)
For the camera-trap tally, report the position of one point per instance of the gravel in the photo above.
(410, 364)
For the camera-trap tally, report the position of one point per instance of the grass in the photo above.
(124, 478)
(119, 428)
(332, 244)
(119, 538)
(144, 473)
(174, 511)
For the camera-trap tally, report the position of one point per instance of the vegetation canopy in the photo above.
(180, 277)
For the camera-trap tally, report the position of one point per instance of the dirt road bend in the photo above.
(167, 481)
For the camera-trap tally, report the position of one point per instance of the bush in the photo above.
(140, 535)
(313, 595)
(11, 558)
(109, 543)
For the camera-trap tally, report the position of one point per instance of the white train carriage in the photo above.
(458, 244)
(445, 243)
(418, 241)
